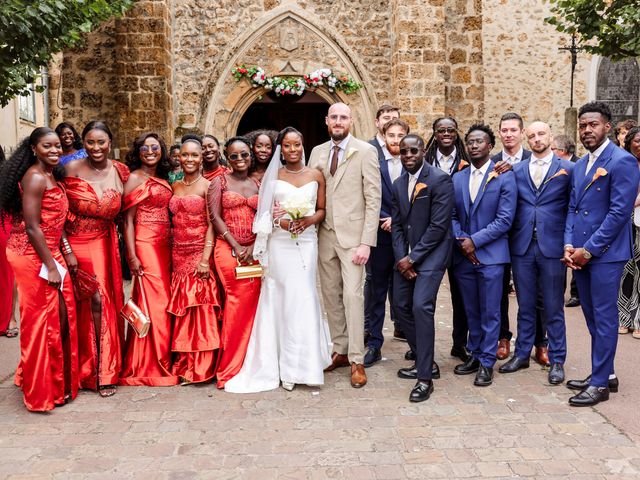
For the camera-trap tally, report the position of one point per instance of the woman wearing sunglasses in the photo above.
(233, 200)
(147, 361)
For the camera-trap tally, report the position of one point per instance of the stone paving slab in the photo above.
(518, 427)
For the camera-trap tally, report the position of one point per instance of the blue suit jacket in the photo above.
(423, 224)
(544, 209)
(599, 217)
(384, 238)
(488, 220)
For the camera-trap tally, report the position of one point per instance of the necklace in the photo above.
(191, 183)
(97, 170)
(295, 172)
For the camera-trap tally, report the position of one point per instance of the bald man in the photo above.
(349, 230)
(537, 243)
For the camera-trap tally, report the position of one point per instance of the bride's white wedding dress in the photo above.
(290, 340)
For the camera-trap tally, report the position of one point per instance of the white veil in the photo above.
(263, 222)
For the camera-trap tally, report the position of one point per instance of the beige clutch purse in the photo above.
(134, 315)
(248, 271)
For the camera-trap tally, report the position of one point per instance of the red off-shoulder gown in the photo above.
(6, 279)
(47, 348)
(91, 231)
(147, 361)
(194, 301)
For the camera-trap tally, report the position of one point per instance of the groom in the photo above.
(345, 238)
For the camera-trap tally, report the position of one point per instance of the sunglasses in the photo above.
(238, 156)
(152, 148)
(442, 131)
(407, 151)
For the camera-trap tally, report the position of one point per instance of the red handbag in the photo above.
(84, 284)
(134, 315)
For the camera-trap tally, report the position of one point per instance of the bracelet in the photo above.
(276, 222)
(203, 265)
(209, 243)
(225, 232)
(67, 251)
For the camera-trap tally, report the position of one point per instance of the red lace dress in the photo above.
(194, 301)
(48, 347)
(147, 361)
(241, 296)
(6, 278)
(91, 231)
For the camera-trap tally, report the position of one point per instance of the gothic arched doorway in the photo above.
(306, 113)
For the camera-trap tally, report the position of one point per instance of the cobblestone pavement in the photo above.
(519, 427)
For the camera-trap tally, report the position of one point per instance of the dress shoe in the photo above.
(590, 396)
(513, 365)
(288, 386)
(409, 355)
(573, 302)
(468, 367)
(504, 349)
(556, 374)
(542, 356)
(484, 377)
(421, 391)
(411, 373)
(372, 356)
(461, 352)
(399, 335)
(337, 360)
(358, 376)
(582, 384)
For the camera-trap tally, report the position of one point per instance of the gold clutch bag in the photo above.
(133, 314)
(248, 271)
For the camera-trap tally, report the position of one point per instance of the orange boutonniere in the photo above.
(419, 186)
(560, 172)
(463, 163)
(600, 172)
(493, 174)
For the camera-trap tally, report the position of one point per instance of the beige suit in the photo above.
(353, 212)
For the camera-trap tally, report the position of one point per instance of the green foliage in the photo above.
(32, 31)
(610, 28)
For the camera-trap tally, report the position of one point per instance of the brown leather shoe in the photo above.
(358, 376)
(337, 360)
(504, 348)
(542, 356)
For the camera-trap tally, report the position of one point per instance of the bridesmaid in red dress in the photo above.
(147, 361)
(194, 294)
(233, 200)
(8, 326)
(29, 192)
(211, 167)
(95, 186)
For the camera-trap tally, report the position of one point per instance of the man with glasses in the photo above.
(485, 205)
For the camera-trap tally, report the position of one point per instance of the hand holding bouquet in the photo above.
(297, 206)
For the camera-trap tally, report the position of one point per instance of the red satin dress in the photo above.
(6, 279)
(194, 301)
(47, 348)
(147, 361)
(215, 173)
(241, 296)
(91, 231)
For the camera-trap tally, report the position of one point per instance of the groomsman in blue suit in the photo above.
(598, 243)
(536, 244)
(422, 242)
(485, 204)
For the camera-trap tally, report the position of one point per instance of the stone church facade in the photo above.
(167, 65)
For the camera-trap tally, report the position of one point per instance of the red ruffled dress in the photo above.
(194, 301)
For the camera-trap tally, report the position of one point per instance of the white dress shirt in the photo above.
(593, 156)
(543, 163)
(477, 178)
(341, 154)
(383, 145)
(394, 166)
(512, 160)
(445, 165)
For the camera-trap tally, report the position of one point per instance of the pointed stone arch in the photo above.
(225, 100)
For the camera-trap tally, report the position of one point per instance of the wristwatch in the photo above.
(411, 261)
(587, 254)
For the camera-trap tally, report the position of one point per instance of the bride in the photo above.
(290, 341)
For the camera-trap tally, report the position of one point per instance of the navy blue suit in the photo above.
(379, 268)
(487, 222)
(537, 245)
(421, 228)
(599, 219)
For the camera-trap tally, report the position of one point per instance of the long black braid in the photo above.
(432, 145)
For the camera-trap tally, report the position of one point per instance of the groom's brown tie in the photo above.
(334, 160)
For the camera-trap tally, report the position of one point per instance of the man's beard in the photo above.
(340, 136)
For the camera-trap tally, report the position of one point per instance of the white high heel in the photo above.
(288, 386)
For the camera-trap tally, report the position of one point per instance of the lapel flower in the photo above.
(560, 172)
(463, 163)
(493, 174)
(350, 152)
(600, 172)
(419, 186)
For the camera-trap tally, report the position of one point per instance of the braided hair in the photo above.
(432, 144)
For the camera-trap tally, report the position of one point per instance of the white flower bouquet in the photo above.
(297, 206)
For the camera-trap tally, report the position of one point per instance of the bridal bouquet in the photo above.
(297, 206)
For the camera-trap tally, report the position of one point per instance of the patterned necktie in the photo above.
(538, 164)
(334, 160)
(592, 160)
(444, 163)
(412, 184)
(475, 185)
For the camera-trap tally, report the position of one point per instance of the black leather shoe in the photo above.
(410, 373)
(484, 377)
(468, 367)
(409, 355)
(421, 391)
(556, 374)
(399, 335)
(372, 356)
(513, 365)
(435, 371)
(582, 384)
(590, 396)
(460, 352)
(573, 302)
